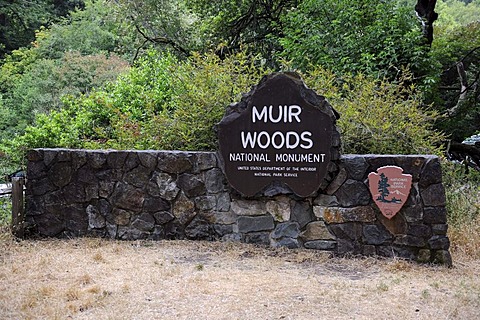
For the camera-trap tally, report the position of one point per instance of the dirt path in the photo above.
(98, 279)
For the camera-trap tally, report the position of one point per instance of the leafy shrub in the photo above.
(162, 103)
(378, 116)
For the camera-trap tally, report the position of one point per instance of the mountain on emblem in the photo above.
(390, 189)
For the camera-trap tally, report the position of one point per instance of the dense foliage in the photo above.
(372, 37)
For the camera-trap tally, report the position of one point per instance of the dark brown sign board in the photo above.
(281, 133)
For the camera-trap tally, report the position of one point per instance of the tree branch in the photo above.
(162, 40)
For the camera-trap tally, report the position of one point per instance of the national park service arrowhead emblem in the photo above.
(390, 188)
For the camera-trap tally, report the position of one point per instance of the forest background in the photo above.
(158, 74)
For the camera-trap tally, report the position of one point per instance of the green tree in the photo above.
(383, 188)
(456, 53)
(378, 38)
(40, 88)
(227, 26)
(20, 18)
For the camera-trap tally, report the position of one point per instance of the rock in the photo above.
(222, 217)
(348, 247)
(289, 243)
(76, 219)
(36, 170)
(356, 166)
(439, 243)
(321, 244)
(432, 173)
(223, 202)
(60, 173)
(184, 209)
(79, 158)
(34, 155)
(95, 219)
(50, 224)
(248, 207)
(214, 180)
(337, 182)
(91, 192)
(257, 238)
(349, 230)
(191, 185)
(276, 188)
(162, 217)
(369, 250)
(152, 204)
(413, 213)
(420, 230)
(105, 189)
(375, 234)
(423, 256)
(316, 230)
(223, 229)
(110, 175)
(286, 230)
(137, 176)
(205, 203)
(396, 225)
(439, 229)
(167, 186)
(377, 161)
(128, 197)
(112, 230)
(301, 212)
(62, 155)
(433, 196)
(144, 222)
(410, 241)
(131, 161)
(74, 193)
(128, 233)
(175, 162)
(157, 234)
(397, 252)
(121, 217)
(97, 159)
(248, 224)
(279, 208)
(205, 161)
(232, 237)
(353, 193)
(443, 257)
(435, 215)
(147, 159)
(341, 215)
(413, 165)
(325, 200)
(199, 229)
(116, 160)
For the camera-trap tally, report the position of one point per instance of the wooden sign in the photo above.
(280, 133)
(390, 188)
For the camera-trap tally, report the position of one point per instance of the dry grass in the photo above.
(100, 279)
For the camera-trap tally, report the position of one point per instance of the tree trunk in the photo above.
(426, 12)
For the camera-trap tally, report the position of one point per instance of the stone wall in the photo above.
(184, 195)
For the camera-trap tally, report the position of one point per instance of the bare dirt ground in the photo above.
(101, 279)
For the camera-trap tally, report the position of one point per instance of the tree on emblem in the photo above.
(383, 188)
